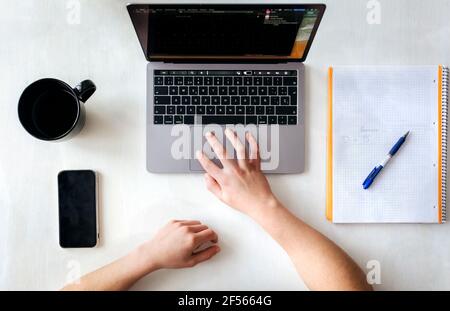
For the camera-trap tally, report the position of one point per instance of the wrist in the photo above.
(141, 262)
(265, 208)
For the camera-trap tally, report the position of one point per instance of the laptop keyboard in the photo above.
(225, 97)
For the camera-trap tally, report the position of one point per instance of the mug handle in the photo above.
(84, 90)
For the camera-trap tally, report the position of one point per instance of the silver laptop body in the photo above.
(174, 134)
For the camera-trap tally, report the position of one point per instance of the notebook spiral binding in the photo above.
(445, 85)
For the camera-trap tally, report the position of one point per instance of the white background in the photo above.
(37, 41)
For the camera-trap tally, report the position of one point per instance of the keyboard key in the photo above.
(215, 100)
(235, 100)
(257, 80)
(200, 109)
(218, 81)
(282, 90)
(212, 90)
(188, 81)
(190, 110)
(188, 119)
(206, 100)
(285, 100)
(237, 80)
(183, 90)
(230, 110)
(159, 81)
(208, 81)
(223, 120)
(254, 100)
(292, 90)
(223, 90)
(272, 119)
(198, 80)
(232, 90)
(162, 100)
(161, 90)
(178, 80)
(203, 90)
(247, 80)
(168, 119)
(262, 90)
(195, 100)
(243, 90)
(171, 109)
(220, 110)
(251, 120)
(277, 81)
(265, 100)
(176, 100)
(250, 110)
(282, 120)
(181, 110)
(294, 100)
(274, 100)
(289, 80)
(240, 110)
(267, 80)
(178, 120)
(245, 100)
(270, 110)
(292, 119)
(260, 110)
(158, 120)
(225, 100)
(186, 100)
(227, 80)
(193, 90)
(211, 110)
(168, 80)
(160, 110)
(253, 90)
(286, 110)
(262, 120)
(173, 90)
(273, 90)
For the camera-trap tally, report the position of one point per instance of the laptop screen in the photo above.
(226, 32)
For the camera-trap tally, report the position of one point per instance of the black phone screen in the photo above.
(77, 208)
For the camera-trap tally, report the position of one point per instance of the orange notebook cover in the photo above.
(367, 107)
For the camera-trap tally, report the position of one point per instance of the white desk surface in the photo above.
(36, 41)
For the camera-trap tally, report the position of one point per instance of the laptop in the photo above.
(212, 66)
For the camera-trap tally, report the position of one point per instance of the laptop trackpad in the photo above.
(197, 143)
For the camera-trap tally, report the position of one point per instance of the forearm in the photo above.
(321, 264)
(118, 275)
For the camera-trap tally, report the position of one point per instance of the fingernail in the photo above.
(208, 134)
(198, 154)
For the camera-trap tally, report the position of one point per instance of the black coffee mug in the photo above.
(51, 110)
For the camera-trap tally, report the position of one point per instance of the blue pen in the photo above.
(369, 180)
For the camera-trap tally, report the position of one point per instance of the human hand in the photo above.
(240, 183)
(174, 245)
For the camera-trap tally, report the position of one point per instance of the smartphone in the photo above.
(77, 198)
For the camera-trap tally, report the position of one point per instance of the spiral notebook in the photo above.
(370, 108)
